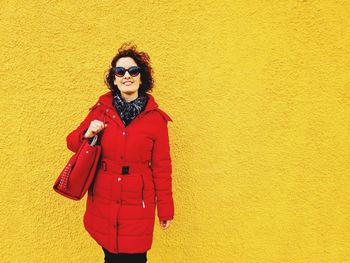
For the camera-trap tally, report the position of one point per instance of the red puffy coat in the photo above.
(133, 178)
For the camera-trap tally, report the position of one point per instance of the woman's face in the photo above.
(128, 85)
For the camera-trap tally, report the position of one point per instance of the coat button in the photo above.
(123, 133)
(119, 179)
(98, 103)
(107, 110)
(113, 116)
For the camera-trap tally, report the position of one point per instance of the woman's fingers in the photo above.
(95, 127)
(165, 224)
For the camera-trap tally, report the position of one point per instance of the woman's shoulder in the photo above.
(97, 104)
(161, 115)
(103, 101)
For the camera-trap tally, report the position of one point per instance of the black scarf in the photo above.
(129, 110)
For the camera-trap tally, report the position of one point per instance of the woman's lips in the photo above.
(127, 83)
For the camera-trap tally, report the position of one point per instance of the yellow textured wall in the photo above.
(259, 93)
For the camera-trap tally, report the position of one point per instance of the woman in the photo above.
(134, 173)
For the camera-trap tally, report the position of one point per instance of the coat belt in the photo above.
(123, 168)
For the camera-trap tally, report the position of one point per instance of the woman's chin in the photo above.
(129, 92)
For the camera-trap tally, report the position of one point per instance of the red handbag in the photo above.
(78, 174)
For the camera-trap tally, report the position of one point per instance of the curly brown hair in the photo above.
(142, 59)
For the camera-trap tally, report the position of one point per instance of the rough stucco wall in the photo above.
(259, 95)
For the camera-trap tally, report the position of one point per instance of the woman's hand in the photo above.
(164, 224)
(95, 127)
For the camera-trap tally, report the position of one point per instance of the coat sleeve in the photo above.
(162, 173)
(76, 137)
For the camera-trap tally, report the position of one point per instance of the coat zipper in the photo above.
(143, 201)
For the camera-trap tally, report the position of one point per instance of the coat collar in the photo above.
(107, 99)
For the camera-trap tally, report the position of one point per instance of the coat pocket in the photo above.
(147, 190)
(142, 193)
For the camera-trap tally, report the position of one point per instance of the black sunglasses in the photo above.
(133, 71)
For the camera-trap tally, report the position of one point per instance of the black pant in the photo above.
(124, 257)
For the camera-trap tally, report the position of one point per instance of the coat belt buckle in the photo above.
(125, 169)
